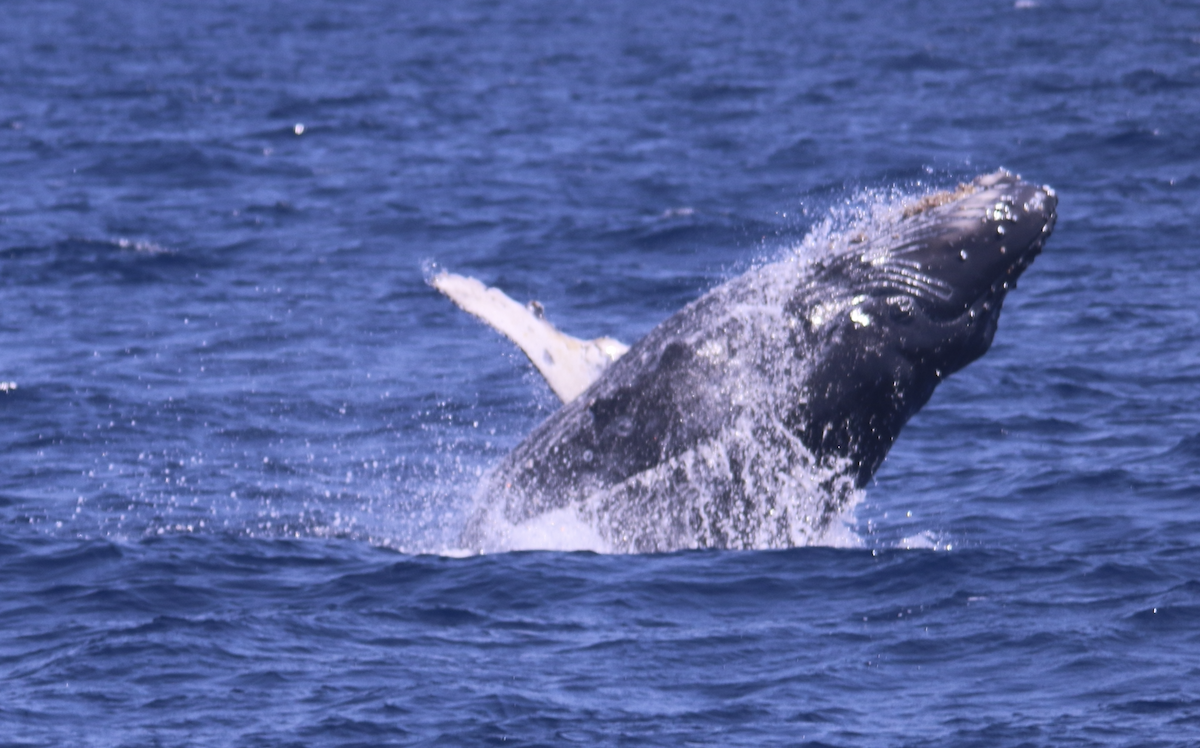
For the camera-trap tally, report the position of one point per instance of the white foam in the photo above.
(925, 540)
(560, 529)
(841, 533)
(557, 530)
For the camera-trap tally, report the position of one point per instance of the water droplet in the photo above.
(298, 128)
(860, 318)
(963, 254)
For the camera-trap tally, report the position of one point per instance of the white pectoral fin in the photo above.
(570, 365)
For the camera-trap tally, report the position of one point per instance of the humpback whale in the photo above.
(754, 416)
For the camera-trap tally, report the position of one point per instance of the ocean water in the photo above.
(245, 431)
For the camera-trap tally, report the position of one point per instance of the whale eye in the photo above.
(901, 308)
(623, 426)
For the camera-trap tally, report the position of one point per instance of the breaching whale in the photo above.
(752, 417)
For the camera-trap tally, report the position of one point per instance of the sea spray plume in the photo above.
(754, 416)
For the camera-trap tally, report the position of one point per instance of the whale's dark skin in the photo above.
(750, 416)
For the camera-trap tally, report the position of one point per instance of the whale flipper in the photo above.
(570, 365)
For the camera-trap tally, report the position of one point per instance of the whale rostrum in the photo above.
(754, 416)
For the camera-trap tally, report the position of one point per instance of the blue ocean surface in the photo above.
(242, 433)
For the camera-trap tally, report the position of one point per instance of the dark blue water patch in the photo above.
(1149, 81)
(1187, 451)
(162, 163)
(922, 60)
(451, 581)
(123, 261)
(1134, 144)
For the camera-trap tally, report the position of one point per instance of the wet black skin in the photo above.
(850, 388)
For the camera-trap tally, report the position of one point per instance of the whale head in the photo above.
(939, 278)
(916, 302)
